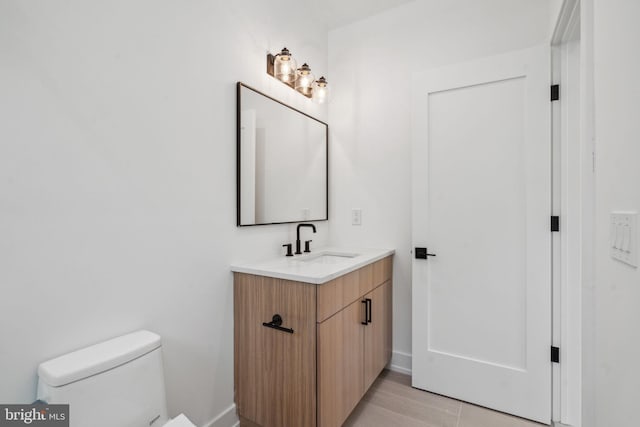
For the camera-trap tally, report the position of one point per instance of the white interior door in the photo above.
(481, 204)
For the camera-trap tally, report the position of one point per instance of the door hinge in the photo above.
(555, 354)
(555, 223)
(555, 92)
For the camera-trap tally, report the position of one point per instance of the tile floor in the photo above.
(392, 402)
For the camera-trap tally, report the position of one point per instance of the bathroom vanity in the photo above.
(312, 333)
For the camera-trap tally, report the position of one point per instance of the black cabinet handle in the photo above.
(276, 323)
(366, 308)
(368, 300)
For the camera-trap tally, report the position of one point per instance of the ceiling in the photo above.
(343, 12)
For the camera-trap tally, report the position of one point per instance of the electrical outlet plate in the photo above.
(356, 217)
(623, 237)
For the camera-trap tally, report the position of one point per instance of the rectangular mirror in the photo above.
(282, 162)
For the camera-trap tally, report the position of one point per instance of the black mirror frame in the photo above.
(239, 86)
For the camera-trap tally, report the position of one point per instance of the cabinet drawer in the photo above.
(382, 271)
(335, 295)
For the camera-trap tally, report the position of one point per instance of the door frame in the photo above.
(573, 298)
(573, 200)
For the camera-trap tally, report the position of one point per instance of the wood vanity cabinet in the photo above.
(316, 375)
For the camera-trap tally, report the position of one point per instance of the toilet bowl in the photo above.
(119, 382)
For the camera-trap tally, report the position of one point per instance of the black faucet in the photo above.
(298, 251)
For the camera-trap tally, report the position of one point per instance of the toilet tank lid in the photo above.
(97, 358)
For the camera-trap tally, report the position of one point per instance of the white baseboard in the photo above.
(400, 362)
(226, 418)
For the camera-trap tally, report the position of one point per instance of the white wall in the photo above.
(371, 63)
(117, 179)
(617, 137)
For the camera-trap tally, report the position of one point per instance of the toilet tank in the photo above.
(117, 383)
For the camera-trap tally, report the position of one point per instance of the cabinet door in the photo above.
(377, 341)
(340, 368)
(275, 371)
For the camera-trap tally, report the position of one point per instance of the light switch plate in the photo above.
(623, 237)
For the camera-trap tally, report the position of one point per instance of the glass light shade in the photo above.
(304, 80)
(320, 91)
(284, 67)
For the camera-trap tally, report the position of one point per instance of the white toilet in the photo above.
(117, 383)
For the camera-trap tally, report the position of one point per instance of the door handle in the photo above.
(421, 253)
(368, 300)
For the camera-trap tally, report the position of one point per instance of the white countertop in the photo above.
(311, 268)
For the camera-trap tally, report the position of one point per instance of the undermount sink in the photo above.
(329, 257)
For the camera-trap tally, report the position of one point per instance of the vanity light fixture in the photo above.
(282, 66)
(304, 80)
(320, 90)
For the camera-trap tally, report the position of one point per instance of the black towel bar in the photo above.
(276, 323)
